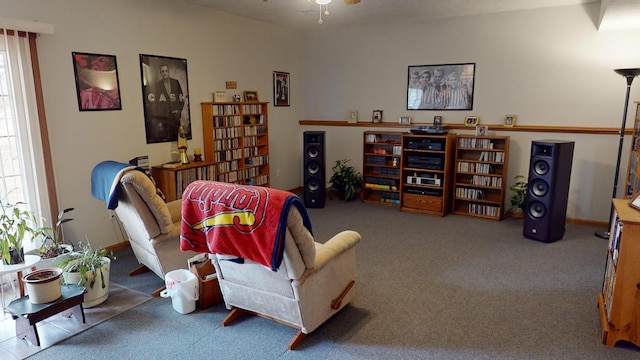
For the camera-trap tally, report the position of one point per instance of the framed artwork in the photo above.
(250, 95)
(376, 117)
(280, 88)
(471, 121)
(405, 120)
(437, 120)
(481, 130)
(441, 87)
(165, 92)
(97, 84)
(509, 120)
(352, 116)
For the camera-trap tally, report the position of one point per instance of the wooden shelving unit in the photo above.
(427, 170)
(381, 167)
(236, 138)
(619, 301)
(480, 176)
(633, 170)
(173, 181)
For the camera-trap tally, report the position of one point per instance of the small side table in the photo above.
(27, 315)
(30, 261)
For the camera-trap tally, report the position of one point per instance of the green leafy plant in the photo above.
(519, 193)
(88, 262)
(16, 223)
(346, 180)
(51, 246)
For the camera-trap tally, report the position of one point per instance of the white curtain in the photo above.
(22, 169)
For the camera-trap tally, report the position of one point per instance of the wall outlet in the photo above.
(111, 214)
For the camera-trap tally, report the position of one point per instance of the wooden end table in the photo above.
(27, 315)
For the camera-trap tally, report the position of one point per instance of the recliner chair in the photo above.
(153, 226)
(314, 280)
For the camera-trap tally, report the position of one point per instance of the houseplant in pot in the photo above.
(16, 224)
(53, 250)
(518, 197)
(89, 267)
(346, 181)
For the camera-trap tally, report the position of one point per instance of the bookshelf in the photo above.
(173, 181)
(633, 169)
(236, 140)
(618, 301)
(381, 167)
(480, 176)
(426, 174)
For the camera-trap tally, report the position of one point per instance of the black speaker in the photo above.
(314, 172)
(545, 211)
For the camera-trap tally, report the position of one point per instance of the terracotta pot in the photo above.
(43, 285)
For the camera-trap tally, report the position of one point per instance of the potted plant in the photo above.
(89, 267)
(518, 196)
(53, 249)
(346, 181)
(16, 223)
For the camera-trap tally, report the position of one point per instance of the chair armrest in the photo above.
(175, 209)
(335, 246)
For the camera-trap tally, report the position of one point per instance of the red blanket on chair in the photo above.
(245, 221)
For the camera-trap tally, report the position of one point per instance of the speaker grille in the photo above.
(541, 167)
(539, 187)
(314, 169)
(537, 210)
(313, 152)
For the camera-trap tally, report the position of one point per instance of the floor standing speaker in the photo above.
(545, 211)
(314, 171)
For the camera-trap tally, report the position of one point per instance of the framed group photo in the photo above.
(97, 84)
(280, 88)
(441, 87)
(165, 91)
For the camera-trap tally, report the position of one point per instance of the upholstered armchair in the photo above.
(312, 282)
(152, 226)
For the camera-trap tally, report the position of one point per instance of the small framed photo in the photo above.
(377, 116)
(437, 120)
(352, 116)
(635, 202)
(250, 95)
(280, 88)
(509, 120)
(405, 120)
(471, 121)
(481, 130)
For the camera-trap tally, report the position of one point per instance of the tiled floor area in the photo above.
(58, 327)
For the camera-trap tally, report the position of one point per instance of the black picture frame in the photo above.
(97, 83)
(281, 86)
(441, 87)
(165, 111)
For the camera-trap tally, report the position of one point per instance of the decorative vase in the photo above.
(95, 295)
(44, 285)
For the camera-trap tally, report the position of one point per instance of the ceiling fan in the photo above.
(326, 7)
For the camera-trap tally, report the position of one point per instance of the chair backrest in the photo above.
(141, 207)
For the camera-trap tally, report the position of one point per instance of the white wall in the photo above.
(218, 48)
(547, 66)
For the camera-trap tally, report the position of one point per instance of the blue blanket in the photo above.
(105, 179)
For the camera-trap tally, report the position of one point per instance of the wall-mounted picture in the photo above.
(509, 120)
(376, 117)
(250, 95)
(280, 88)
(441, 87)
(471, 121)
(97, 84)
(165, 91)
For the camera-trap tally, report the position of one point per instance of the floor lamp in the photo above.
(629, 74)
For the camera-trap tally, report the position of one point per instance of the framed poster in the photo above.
(440, 87)
(97, 84)
(165, 92)
(280, 88)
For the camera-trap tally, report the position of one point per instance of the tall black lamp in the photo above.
(629, 74)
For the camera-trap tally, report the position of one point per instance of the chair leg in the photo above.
(234, 315)
(337, 302)
(297, 339)
(138, 270)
